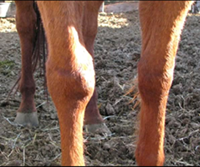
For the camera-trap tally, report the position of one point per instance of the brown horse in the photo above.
(71, 28)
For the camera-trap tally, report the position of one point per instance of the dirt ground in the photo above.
(117, 51)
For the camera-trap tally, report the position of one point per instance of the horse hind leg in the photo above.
(90, 24)
(25, 23)
(93, 119)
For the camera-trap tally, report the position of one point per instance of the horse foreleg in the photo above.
(161, 24)
(25, 23)
(70, 73)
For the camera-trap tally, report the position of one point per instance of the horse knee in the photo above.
(74, 86)
(27, 88)
(154, 81)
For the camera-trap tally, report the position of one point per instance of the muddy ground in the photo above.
(117, 51)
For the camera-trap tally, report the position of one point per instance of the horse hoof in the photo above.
(98, 129)
(27, 119)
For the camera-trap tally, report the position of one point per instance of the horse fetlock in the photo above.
(93, 118)
(27, 104)
(153, 83)
(28, 89)
(92, 115)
